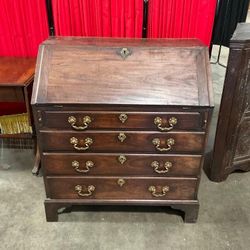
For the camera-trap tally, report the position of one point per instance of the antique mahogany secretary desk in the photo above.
(122, 121)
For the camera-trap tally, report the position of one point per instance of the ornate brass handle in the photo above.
(158, 122)
(86, 121)
(156, 166)
(88, 165)
(79, 189)
(87, 142)
(164, 191)
(170, 142)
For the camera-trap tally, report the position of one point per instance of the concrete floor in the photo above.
(224, 218)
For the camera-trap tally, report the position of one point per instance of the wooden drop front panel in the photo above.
(122, 121)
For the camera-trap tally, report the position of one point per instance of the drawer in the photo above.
(121, 188)
(121, 164)
(11, 94)
(76, 120)
(123, 141)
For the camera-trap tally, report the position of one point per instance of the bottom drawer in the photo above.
(121, 188)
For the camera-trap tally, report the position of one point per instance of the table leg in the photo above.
(37, 164)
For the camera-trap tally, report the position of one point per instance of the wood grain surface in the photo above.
(133, 188)
(138, 142)
(16, 71)
(232, 141)
(121, 42)
(109, 164)
(151, 75)
(111, 120)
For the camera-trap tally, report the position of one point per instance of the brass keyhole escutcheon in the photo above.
(125, 52)
(121, 182)
(122, 137)
(122, 159)
(123, 117)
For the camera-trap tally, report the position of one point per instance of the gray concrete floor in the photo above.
(224, 218)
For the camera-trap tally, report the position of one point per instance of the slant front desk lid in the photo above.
(122, 72)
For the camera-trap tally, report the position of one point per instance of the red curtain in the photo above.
(103, 18)
(181, 19)
(23, 26)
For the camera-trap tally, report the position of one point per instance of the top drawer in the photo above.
(161, 121)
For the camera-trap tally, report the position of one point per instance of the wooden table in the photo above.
(16, 79)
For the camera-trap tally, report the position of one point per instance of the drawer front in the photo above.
(11, 94)
(75, 120)
(121, 188)
(123, 142)
(121, 164)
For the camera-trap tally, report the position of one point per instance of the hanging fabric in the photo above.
(229, 14)
(15, 124)
(103, 18)
(181, 19)
(23, 26)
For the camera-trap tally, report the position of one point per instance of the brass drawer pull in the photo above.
(86, 121)
(156, 166)
(87, 142)
(88, 165)
(156, 142)
(158, 122)
(164, 191)
(79, 189)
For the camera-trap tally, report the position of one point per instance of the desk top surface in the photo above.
(16, 71)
